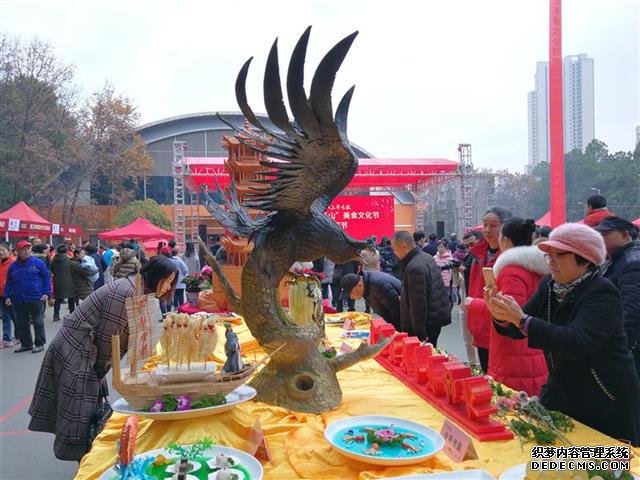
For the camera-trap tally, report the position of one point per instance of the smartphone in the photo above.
(489, 277)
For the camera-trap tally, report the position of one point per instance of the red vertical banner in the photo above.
(556, 122)
(364, 215)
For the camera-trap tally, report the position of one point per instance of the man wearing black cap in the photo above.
(596, 210)
(379, 289)
(623, 270)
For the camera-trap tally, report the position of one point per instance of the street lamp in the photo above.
(597, 190)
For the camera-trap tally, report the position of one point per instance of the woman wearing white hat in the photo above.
(576, 318)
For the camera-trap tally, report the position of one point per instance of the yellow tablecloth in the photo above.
(296, 440)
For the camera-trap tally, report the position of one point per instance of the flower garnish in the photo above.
(184, 403)
(158, 406)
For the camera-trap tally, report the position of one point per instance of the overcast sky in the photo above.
(429, 74)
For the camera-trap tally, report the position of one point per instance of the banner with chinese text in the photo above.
(363, 215)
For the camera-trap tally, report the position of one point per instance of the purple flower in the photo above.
(158, 406)
(184, 403)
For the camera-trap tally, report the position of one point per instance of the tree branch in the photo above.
(363, 352)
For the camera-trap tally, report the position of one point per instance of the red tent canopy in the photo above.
(372, 172)
(140, 229)
(545, 220)
(636, 222)
(22, 220)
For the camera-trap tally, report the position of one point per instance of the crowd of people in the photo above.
(33, 277)
(557, 316)
(560, 319)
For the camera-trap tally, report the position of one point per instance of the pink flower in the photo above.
(184, 403)
(206, 271)
(385, 434)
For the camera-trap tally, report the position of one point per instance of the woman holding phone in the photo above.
(518, 272)
(575, 317)
(485, 253)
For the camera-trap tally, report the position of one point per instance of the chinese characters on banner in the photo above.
(362, 216)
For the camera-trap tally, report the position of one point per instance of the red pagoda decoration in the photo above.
(243, 163)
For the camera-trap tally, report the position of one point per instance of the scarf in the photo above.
(561, 290)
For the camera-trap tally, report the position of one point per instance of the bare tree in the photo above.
(38, 122)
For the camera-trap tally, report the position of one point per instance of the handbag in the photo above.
(101, 414)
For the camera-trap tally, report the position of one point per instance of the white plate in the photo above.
(459, 475)
(355, 422)
(240, 457)
(519, 471)
(242, 394)
(356, 334)
(515, 473)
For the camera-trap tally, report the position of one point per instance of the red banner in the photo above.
(363, 216)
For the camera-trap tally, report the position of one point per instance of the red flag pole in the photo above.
(556, 122)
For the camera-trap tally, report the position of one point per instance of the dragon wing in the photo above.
(311, 159)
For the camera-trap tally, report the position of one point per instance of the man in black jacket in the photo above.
(424, 304)
(379, 289)
(623, 270)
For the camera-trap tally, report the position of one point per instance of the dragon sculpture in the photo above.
(310, 162)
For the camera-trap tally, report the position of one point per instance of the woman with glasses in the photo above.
(575, 317)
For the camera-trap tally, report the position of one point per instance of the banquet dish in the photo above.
(383, 440)
(242, 394)
(212, 463)
(524, 472)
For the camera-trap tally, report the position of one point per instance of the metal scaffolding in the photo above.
(466, 187)
(179, 148)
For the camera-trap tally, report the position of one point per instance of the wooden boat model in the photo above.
(141, 388)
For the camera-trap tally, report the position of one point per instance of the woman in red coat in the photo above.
(485, 253)
(518, 272)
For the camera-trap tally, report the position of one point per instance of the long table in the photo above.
(296, 440)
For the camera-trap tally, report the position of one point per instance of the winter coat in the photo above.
(183, 271)
(80, 274)
(27, 281)
(45, 258)
(424, 304)
(342, 269)
(478, 314)
(431, 247)
(192, 263)
(594, 218)
(442, 260)
(4, 271)
(624, 272)
(327, 272)
(63, 286)
(382, 292)
(66, 393)
(592, 377)
(126, 264)
(370, 259)
(518, 273)
(388, 261)
(102, 266)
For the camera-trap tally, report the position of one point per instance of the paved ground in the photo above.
(26, 455)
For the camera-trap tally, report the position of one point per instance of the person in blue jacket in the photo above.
(28, 287)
